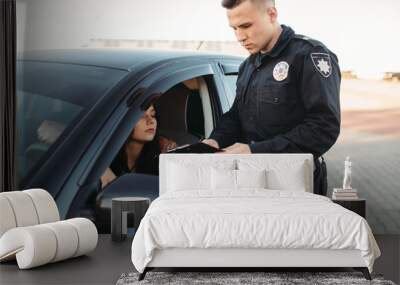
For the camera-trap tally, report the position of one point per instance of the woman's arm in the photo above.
(107, 177)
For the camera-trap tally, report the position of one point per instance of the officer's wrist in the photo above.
(250, 149)
(260, 147)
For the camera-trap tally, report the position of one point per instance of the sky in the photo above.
(364, 34)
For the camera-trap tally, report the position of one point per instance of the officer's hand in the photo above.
(238, 148)
(211, 142)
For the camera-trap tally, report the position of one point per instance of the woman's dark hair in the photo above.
(147, 161)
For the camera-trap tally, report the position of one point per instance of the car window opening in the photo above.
(181, 115)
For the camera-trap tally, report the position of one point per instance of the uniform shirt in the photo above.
(287, 100)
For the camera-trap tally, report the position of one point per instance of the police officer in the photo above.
(287, 98)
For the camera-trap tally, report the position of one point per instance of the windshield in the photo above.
(50, 98)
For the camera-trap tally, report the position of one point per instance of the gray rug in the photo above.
(230, 278)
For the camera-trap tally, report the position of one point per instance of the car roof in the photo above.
(125, 59)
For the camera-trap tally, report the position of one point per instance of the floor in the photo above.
(110, 260)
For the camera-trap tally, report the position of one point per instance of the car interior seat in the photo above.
(173, 108)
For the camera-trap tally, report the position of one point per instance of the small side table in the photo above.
(120, 208)
(358, 206)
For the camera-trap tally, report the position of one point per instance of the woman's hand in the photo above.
(166, 144)
(107, 177)
(211, 142)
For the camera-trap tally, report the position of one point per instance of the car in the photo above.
(75, 109)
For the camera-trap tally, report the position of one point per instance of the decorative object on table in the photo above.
(31, 231)
(120, 209)
(243, 278)
(347, 174)
(347, 192)
(357, 206)
(344, 194)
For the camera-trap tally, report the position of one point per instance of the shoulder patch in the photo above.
(322, 62)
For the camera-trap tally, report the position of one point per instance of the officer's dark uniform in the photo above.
(287, 102)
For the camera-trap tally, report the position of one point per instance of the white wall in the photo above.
(364, 33)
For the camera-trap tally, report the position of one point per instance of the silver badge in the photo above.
(322, 62)
(281, 71)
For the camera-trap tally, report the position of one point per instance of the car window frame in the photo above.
(135, 110)
(225, 67)
(111, 136)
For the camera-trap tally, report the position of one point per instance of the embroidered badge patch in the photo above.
(281, 71)
(322, 62)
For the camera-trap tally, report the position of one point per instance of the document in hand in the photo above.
(195, 148)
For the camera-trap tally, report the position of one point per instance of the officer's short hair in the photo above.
(230, 4)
